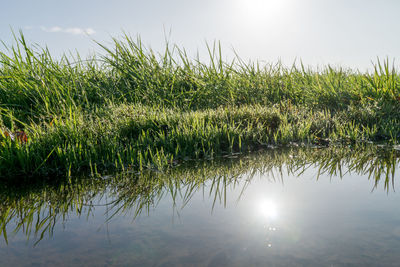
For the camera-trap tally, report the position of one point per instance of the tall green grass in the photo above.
(132, 108)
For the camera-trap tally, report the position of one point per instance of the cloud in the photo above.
(74, 30)
(51, 29)
(78, 31)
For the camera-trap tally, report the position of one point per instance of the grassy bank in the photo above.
(132, 108)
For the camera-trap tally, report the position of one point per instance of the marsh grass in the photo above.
(134, 109)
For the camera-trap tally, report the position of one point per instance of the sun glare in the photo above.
(268, 209)
(260, 10)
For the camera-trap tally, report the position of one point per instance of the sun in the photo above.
(260, 10)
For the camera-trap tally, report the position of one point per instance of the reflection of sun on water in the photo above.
(268, 209)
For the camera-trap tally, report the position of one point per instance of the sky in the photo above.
(346, 33)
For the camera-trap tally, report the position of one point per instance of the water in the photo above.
(284, 208)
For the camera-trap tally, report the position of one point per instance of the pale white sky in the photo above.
(348, 33)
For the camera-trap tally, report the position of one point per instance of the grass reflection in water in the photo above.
(36, 210)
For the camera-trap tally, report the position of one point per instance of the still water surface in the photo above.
(318, 212)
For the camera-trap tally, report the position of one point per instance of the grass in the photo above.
(133, 109)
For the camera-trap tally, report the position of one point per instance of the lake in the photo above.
(280, 207)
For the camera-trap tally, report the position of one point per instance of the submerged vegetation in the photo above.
(132, 109)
